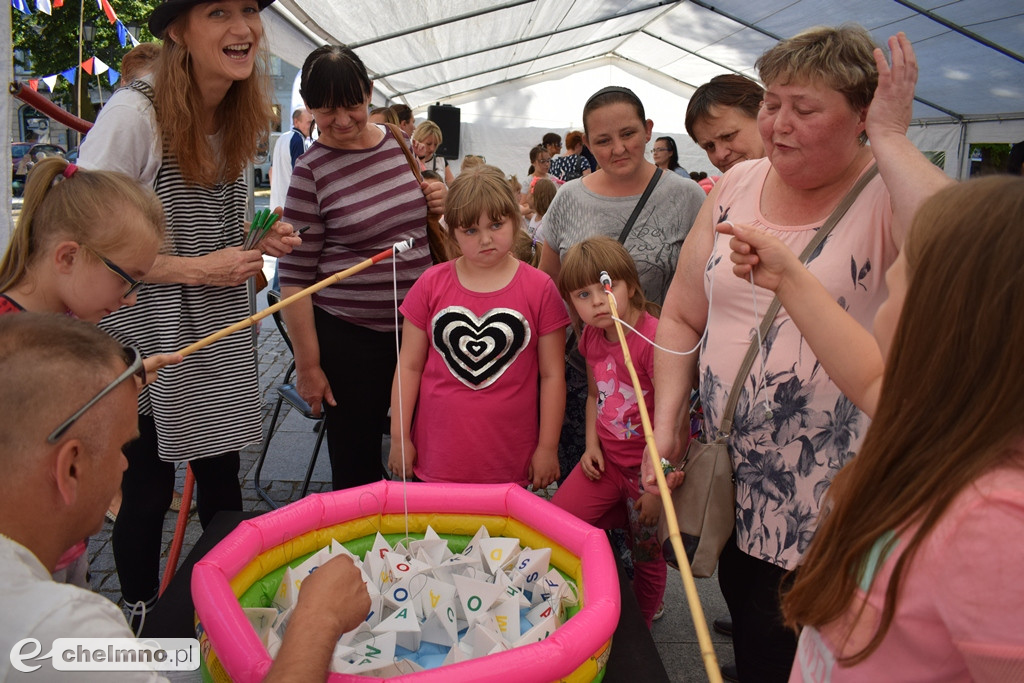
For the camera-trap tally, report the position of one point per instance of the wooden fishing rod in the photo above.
(700, 624)
(396, 248)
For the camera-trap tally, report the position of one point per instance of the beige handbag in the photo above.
(705, 503)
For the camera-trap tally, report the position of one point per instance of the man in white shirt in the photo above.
(69, 406)
(287, 150)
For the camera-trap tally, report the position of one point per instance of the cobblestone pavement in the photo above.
(274, 358)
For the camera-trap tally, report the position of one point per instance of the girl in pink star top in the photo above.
(604, 489)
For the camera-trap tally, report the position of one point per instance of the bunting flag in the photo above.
(121, 33)
(108, 10)
(21, 6)
(44, 6)
(93, 66)
(34, 84)
(58, 3)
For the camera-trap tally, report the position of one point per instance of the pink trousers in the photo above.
(608, 504)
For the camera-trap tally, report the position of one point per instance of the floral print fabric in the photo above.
(793, 429)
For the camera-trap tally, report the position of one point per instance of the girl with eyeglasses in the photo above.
(83, 241)
(82, 244)
(540, 163)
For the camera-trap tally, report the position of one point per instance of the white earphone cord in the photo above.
(398, 373)
(711, 293)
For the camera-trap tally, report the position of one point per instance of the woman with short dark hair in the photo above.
(721, 117)
(356, 191)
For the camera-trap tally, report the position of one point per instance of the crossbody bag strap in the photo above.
(413, 162)
(773, 308)
(441, 247)
(639, 206)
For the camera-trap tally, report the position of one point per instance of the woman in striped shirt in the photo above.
(356, 191)
(189, 131)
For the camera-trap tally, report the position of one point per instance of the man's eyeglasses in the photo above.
(133, 284)
(134, 360)
(661, 149)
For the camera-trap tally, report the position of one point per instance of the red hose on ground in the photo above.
(179, 530)
(45, 106)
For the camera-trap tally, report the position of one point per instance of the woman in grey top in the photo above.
(617, 132)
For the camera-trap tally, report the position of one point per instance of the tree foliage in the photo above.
(48, 44)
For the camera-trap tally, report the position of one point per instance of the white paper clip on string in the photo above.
(404, 245)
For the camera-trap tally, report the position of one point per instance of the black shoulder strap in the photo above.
(145, 88)
(639, 206)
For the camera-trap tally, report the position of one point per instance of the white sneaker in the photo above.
(660, 613)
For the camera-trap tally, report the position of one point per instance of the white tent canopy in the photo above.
(497, 60)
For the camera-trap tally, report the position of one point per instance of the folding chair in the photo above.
(287, 392)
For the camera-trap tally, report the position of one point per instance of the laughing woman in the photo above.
(188, 131)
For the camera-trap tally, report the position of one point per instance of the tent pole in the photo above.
(532, 58)
(964, 154)
(690, 52)
(754, 27)
(962, 31)
(518, 41)
(434, 24)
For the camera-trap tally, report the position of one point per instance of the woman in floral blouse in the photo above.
(827, 90)
(573, 165)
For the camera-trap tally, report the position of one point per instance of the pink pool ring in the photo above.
(577, 651)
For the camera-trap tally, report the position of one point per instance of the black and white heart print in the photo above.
(479, 350)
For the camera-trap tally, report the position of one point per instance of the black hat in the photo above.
(168, 10)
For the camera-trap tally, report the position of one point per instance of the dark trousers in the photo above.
(764, 647)
(573, 440)
(146, 495)
(360, 366)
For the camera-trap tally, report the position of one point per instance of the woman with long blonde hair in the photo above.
(915, 565)
(189, 131)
